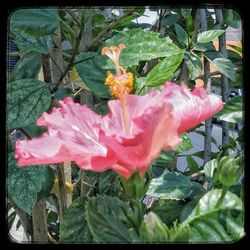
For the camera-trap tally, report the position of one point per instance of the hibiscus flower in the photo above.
(129, 137)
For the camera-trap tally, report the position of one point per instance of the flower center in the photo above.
(120, 83)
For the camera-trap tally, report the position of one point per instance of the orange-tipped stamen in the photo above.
(121, 83)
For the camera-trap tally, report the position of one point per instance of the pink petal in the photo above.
(153, 129)
(190, 107)
(73, 132)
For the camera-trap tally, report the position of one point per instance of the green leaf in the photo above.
(208, 36)
(26, 43)
(223, 65)
(27, 99)
(109, 183)
(92, 72)
(168, 210)
(169, 19)
(74, 228)
(27, 67)
(33, 130)
(35, 22)
(204, 46)
(209, 223)
(237, 48)
(164, 70)
(185, 145)
(47, 184)
(181, 34)
(111, 220)
(63, 93)
(210, 167)
(194, 64)
(170, 185)
(192, 164)
(140, 46)
(153, 230)
(165, 158)
(24, 183)
(232, 111)
(186, 12)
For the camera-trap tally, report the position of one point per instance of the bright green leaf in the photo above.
(194, 64)
(209, 223)
(223, 65)
(164, 70)
(141, 46)
(24, 183)
(170, 185)
(210, 167)
(232, 111)
(74, 228)
(208, 36)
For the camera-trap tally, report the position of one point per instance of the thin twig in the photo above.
(73, 55)
(197, 175)
(110, 26)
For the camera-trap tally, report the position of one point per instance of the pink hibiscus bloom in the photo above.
(75, 133)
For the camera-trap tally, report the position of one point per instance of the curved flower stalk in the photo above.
(129, 137)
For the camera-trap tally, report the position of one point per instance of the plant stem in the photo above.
(72, 57)
(222, 196)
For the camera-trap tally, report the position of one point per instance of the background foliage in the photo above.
(60, 52)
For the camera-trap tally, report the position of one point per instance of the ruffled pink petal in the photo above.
(153, 129)
(190, 107)
(73, 132)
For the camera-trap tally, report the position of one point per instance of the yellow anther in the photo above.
(120, 85)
